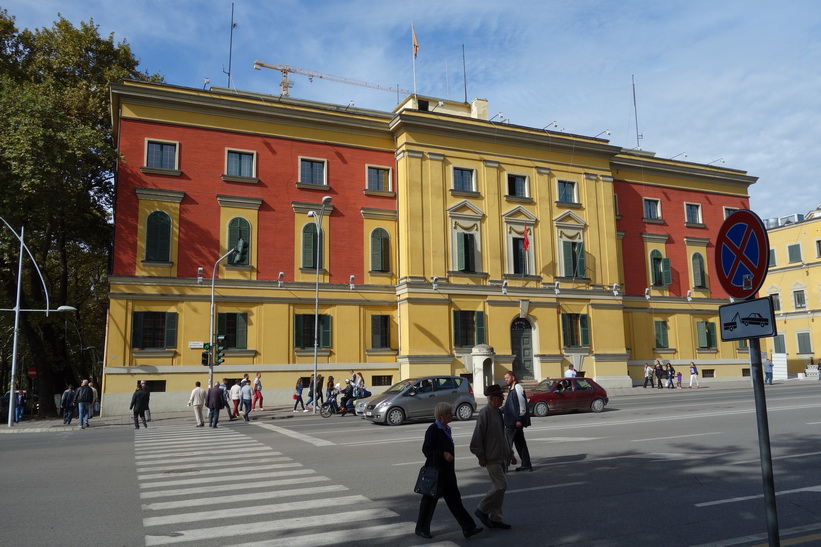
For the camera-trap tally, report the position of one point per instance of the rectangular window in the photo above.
(706, 334)
(519, 256)
(468, 328)
(379, 178)
(234, 326)
(794, 252)
(693, 213)
(776, 298)
(240, 164)
(573, 258)
(304, 331)
(661, 334)
(466, 252)
(567, 191)
(729, 211)
(161, 155)
(382, 380)
(153, 330)
(799, 300)
(575, 330)
(818, 248)
(771, 259)
(380, 331)
(778, 344)
(743, 344)
(155, 386)
(312, 172)
(652, 209)
(463, 179)
(517, 186)
(804, 342)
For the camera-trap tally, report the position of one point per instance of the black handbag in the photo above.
(427, 482)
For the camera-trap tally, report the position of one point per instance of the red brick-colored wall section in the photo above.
(202, 160)
(631, 209)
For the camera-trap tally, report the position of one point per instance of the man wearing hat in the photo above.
(494, 454)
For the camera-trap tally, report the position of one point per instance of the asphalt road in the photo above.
(669, 468)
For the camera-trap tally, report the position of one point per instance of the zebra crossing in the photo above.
(191, 491)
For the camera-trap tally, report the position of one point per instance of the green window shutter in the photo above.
(480, 327)
(711, 335)
(461, 242)
(698, 270)
(298, 325)
(158, 237)
(376, 251)
(325, 331)
(584, 328)
(242, 331)
(137, 329)
(566, 330)
(377, 330)
(661, 334)
(581, 271)
(701, 327)
(171, 329)
(457, 331)
(666, 272)
(567, 252)
(308, 248)
(386, 252)
(222, 321)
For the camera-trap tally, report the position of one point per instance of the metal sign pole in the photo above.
(764, 442)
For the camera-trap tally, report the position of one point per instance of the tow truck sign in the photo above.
(748, 319)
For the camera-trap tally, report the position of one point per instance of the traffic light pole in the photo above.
(212, 338)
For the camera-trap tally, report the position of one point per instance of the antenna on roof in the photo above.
(636, 113)
(230, 46)
(465, 72)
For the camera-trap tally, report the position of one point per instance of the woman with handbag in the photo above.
(438, 449)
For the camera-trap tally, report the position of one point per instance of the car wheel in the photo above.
(464, 412)
(540, 409)
(597, 405)
(395, 416)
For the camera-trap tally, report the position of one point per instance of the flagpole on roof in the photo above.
(415, 49)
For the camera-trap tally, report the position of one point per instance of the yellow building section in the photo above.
(378, 225)
(794, 283)
(239, 221)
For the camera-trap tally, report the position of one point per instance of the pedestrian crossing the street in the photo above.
(222, 487)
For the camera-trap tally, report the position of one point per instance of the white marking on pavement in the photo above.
(532, 489)
(237, 462)
(343, 537)
(246, 497)
(314, 522)
(210, 488)
(758, 496)
(296, 435)
(226, 478)
(180, 473)
(675, 437)
(757, 460)
(186, 455)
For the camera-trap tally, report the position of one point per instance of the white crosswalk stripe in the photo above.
(187, 490)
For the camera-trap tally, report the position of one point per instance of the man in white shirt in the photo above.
(197, 400)
(570, 372)
(235, 397)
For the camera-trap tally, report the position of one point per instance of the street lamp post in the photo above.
(212, 339)
(318, 220)
(17, 311)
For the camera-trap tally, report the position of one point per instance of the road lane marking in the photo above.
(313, 522)
(224, 478)
(757, 496)
(182, 473)
(296, 435)
(757, 460)
(344, 537)
(187, 455)
(210, 488)
(246, 497)
(675, 437)
(238, 462)
(532, 489)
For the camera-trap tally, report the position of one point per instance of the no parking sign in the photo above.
(742, 254)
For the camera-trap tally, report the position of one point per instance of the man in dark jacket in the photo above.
(83, 400)
(67, 404)
(139, 404)
(215, 402)
(517, 419)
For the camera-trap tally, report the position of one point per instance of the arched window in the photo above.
(660, 268)
(699, 275)
(380, 250)
(309, 247)
(158, 237)
(239, 229)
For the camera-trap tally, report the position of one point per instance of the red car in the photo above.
(565, 395)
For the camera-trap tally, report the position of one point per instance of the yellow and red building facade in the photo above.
(445, 231)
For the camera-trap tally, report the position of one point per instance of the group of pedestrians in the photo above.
(499, 427)
(666, 376)
(82, 402)
(239, 400)
(314, 387)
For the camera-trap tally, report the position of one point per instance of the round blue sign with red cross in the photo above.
(742, 254)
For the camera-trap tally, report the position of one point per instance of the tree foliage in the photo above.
(57, 159)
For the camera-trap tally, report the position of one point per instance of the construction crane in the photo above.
(285, 84)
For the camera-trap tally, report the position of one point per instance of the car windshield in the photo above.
(400, 386)
(545, 385)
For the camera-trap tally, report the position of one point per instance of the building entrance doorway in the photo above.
(521, 342)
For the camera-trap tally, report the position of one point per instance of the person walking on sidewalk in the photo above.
(247, 394)
(694, 375)
(67, 404)
(659, 370)
(648, 375)
(139, 404)
(144, 386)
(83, 400)
(768, 371)
(298, 395)
(197, 400)
(492, 450)
(516, 419)
(235, 398)
(257, 392)
(215, 401)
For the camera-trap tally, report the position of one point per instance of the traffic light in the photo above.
(206, 358)
(241, 253)
(220, 356)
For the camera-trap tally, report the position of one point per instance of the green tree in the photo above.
(57, 159)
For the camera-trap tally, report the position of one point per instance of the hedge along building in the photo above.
(445, 231)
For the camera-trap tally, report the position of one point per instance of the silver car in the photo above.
(415, 398)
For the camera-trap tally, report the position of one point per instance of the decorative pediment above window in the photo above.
(569, 219)
(520, 214)
(465, 210)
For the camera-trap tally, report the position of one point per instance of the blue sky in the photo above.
(732, 81)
